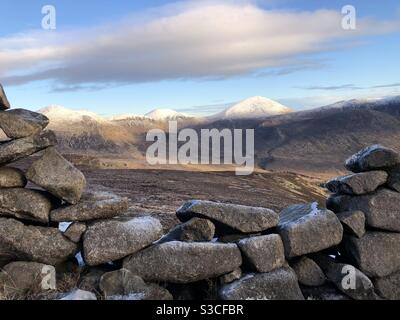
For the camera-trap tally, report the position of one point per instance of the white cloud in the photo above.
(187, 41)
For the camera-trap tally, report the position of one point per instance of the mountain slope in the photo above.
(253, 108)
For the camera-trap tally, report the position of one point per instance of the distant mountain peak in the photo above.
(60, 113)
(254, 108)
(165, 114)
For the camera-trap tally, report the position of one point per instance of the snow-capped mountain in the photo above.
(165, 114)
(253, 108)
(61, 114)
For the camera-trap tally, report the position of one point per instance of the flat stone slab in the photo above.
(308, 272)
(374, 157)
(75, 231)
(353, 222)
(358, 183)
(264, 253)
(12, 178)
(25, 204)
(58, 176)
(32, 243)
(111, 240)
(4, 104)
(94, 205)
(236, 217)
(307, 229)
(183, 262)
(280, 284)
(381, 208)
(21, 123)
(14, 150)
(376, 254)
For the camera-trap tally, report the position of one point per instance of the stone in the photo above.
(394, 178)
(374, 157)
(75, 231)
(58, 176)
(326, 292)
(32, 243)
(280, 284)
(111, 240)
(90, 278)
(380, 208)
(388, 287)
(12, 178)
(376, 253)
(264, 253)
(78, 294)
(353, 222)
(234, 217)
(308, 272)
(194, 230)
(347, 278)
(20, 278)
(25, 204)
(4, 104)
(231, 276)
(14, 150)
(305, 228)
(183, 262)
(358, 183)
(94, 205)
(21, 123)
(123, 285)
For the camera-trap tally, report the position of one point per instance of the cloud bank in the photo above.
(197, 40)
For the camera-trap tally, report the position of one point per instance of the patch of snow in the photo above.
(254, 108)
(79, 257)
(165, 114)
(79, 295)
(58, 113)
(63, 226)
(131, 296)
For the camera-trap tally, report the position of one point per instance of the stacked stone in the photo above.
(367, 203)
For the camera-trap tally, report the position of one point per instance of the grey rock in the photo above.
(20, 278)
(306, 229)
(14, 150)
(280, 284)
(374, 157)
(353, 222)
(381, 208)
(123, 285)
(75, 231)
(231, 276)
(90, 278)
(12, 178)
(4, 104)
(21, 123)
(388, 287)
(264, 253)
(235, 238)
(31, 243)
(79, 295)
(25, 204)
(94, 205)
(194, 230)
(111, 240)
(237, 217)
(308, 272)
(394, 178)
(358, 183)
(326, 292)
(347, 278)
(183, 262)
(376, 254)
(55, 174)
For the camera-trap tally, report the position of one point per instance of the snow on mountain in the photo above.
(61, 114)
(165, 114)
(363, 102)
(253, 108)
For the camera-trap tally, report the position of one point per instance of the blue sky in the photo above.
(196, 56)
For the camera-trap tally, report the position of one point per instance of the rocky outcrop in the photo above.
(20, 123)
